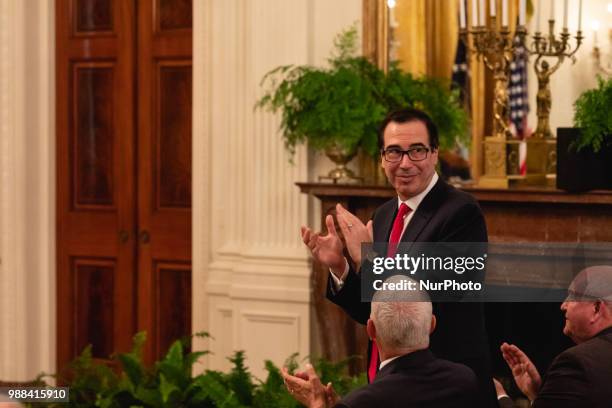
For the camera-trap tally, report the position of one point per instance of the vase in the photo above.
(341, 156)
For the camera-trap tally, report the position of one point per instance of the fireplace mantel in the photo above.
(512, 216)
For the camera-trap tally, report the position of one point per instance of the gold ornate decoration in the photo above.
(541, 147)
(495, 48)
(549, 46)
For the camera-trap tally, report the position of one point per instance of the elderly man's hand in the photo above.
(307, 388)
(354, 231)
(524, 371)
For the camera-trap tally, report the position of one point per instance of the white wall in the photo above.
(27, 194)
(571, 79)
(247, 252)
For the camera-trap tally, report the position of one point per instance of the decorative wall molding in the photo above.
(27, 194)
(247, 251)
(201, 184)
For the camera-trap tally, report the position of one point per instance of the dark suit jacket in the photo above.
(581, 377)
(417, 380)
(445, 215)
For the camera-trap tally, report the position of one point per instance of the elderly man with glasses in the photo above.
(426, 209)
(582, 375)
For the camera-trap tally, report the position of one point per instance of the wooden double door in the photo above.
(123, 86)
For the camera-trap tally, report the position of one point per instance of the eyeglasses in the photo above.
(394, 154)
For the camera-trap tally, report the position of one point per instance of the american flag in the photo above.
(519, 98)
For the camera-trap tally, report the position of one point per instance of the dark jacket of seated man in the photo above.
(410, 375)
(418, 380)
(581, 376)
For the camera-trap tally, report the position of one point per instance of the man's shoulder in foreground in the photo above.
(581, 374)
(417, 380)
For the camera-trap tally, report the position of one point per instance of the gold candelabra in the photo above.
(549, 46)
(603, 67)
(541, 146)
(495, 47)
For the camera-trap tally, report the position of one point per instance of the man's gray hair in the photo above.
(402, 317)
(594, 282)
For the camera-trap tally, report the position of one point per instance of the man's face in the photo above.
(408, 177)
(578, 319)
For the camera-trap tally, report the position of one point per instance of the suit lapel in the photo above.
(424, 213)
(382, 229)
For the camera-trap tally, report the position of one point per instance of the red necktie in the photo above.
(394, 239)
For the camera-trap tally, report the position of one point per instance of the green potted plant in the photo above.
(170, 382)
(432, 95)
(584, 153)
(336, 109)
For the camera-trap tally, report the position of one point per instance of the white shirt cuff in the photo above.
(339, 282)
(502, 396)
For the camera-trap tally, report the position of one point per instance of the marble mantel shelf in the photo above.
(523, 195)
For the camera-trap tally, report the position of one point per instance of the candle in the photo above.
(505, 13)
(565, 14)
(522, 12)
(462, 13)
(538, 19)
(552, 9)
(595, 26)
(474, 13)
(492, 8)
(481, 14)
(580, 16)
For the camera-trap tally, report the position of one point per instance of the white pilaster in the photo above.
(251, 261)
(27, 194)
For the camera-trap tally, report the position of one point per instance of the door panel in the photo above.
(123, 174)
(93, 284)
(95, 176)
(164, 181)
(172, 303)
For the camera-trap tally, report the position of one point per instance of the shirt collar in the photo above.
(414, 202)
(387, 361)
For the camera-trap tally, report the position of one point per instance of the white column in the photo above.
(201, 155)
(251, 270)
(27, 195)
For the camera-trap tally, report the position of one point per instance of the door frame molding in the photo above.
(27, 189)
(201, 173)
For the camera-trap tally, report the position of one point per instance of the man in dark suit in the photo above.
(429, 211)
(410, 375)
(581, 376)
